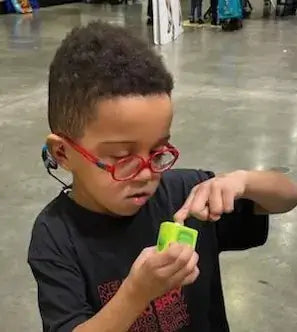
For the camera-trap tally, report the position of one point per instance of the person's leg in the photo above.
(214, 11)
(150, 12)
(192, 11)
(199, 11)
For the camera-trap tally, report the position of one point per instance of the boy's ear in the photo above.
(58, 149)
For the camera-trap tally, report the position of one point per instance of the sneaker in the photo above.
(191, 20)
(200, 21)
(214, 22)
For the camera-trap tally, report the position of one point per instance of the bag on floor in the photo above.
(230, 14)
(232, 24)
(230, 9)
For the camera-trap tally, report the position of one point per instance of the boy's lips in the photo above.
(140, 199)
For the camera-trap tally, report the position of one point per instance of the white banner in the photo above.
(168, 23)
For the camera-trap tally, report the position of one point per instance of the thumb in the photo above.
(145, 254)
(182, 214)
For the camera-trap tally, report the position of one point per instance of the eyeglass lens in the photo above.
(128, 167)
(162, 161)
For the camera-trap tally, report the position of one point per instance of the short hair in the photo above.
(97, 62)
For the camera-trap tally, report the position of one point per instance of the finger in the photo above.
(186, 258)
(146, 251)
(203, 215)
(228, 201)
(191, 277)
(215, 201)
(182, 214)
(199, 207)
(180, 262)
(167, 257)
(192, 263)
(188, 273)
(146, 254)
(185, 270)
(214, 217)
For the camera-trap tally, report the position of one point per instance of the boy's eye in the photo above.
(118, 157)
(159, 149)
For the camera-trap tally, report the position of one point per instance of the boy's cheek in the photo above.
(103, 183)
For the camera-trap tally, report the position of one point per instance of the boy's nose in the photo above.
(144, 175)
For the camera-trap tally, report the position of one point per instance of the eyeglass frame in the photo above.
(145, 163)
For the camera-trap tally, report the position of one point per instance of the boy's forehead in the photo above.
(132, 119)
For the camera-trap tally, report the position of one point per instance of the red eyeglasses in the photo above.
(129, 167)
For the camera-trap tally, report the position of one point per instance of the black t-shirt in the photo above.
(79, 259)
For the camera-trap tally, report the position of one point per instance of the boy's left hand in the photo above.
(210, 199)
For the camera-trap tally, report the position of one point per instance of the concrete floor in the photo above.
(235, 103)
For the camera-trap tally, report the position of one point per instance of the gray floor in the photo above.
(235, 108)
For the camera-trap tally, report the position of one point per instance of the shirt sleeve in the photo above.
(242, 229)
(61, 288)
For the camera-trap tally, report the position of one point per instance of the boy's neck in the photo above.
(80, 197)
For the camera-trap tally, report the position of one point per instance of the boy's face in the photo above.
(124, 126)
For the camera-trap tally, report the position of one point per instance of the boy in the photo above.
(92, 249)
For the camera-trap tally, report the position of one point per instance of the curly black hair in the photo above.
(96, 62)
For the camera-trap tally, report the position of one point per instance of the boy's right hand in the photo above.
(155, 273)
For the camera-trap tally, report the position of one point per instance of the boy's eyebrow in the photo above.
(165, 138)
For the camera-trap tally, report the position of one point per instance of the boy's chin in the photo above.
(125, 211)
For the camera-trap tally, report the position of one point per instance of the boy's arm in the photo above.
(63, 303)
(118, 314)
(64, 307)
(272, 192)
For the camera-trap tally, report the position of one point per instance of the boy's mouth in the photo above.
(139, 199)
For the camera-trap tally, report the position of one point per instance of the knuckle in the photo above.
(202, 217)
(182, 260)
(144, 252)
(191, 279)
(215, 218)
(185, 258)
(216, 208)
(171, 255)
(214, 182)
(216, 212)
(196, 273)
(148, 263)
(203, 186)
(228, 209)
(160, 275)
(173, 251)
(194, 209)
(195, 188)
(196, 258)
(189, 269)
